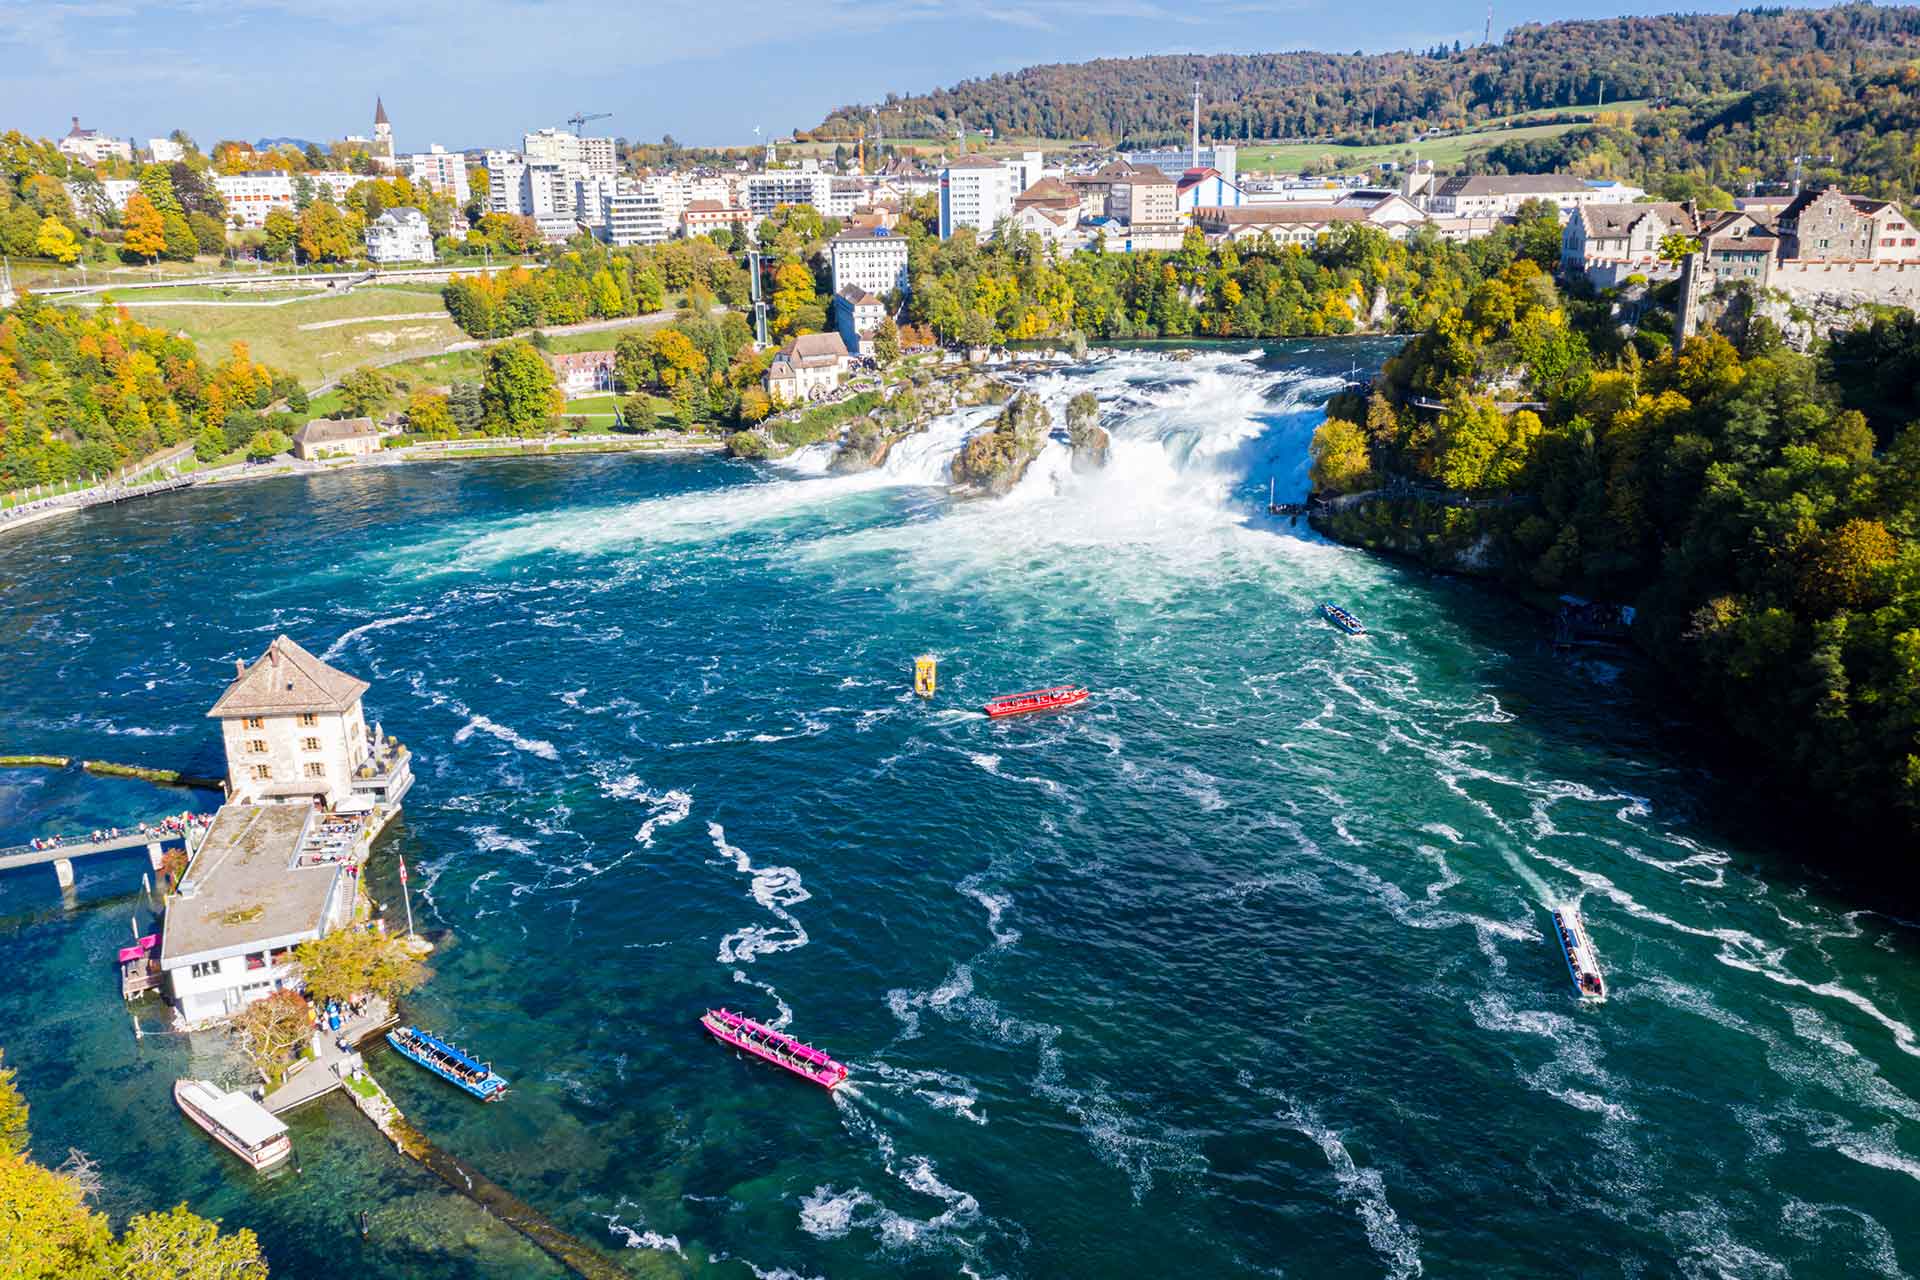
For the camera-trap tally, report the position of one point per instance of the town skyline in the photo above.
(655, 73)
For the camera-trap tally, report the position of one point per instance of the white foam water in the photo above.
(1396, 1243)
(483, 724)
(366, 628)
(775, 888)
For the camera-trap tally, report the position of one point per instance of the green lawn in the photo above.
(1290, 156)
(284, 337)
(207, 293)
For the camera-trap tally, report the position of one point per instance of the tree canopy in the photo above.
(1767, 529)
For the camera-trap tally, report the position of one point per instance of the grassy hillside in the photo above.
(311, 336)
(1448, 152)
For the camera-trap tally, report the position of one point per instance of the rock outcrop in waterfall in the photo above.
(1089, 439)
(993, 461)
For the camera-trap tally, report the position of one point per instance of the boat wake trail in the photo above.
(1397, 1243)
(775, 889)
(828, 1213)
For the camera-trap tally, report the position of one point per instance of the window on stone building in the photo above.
(315, 769)
(308, 719)
(258, 746)
(263, 772)
(254, 722)
(309, 744)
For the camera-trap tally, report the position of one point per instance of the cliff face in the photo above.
(1447, 539)
(992, 462)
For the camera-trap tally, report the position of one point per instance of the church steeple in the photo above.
(382, 129)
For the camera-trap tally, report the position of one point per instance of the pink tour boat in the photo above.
(776, 1047)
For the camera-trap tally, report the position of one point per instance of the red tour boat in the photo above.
(1015, 704)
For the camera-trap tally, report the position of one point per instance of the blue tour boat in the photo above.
(451, 1064)
(1341, 618)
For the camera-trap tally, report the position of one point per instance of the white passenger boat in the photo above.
(1583, 962)
(236, 1122)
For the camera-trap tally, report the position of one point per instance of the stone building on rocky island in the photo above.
(294, 730)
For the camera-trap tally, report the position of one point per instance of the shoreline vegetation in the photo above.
(1757, 506)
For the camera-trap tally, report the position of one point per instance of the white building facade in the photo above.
(762, 193)
(250, 197)
(977, 193)
(439, 170)
(90, 146)
(633, 217)
(400, 235)
(292, 727)
(873, 260)
(557, 146)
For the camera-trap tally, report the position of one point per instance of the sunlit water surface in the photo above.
(1238, 969)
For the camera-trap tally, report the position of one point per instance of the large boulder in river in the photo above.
(1089, 440)
(867, 444)
(993, 461)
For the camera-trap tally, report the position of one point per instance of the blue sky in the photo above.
(467, 73)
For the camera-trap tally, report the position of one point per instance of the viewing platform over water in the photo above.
(60, 851)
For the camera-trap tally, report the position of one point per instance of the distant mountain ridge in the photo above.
(1373, 96)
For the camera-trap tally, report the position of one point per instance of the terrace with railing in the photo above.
(386, 773)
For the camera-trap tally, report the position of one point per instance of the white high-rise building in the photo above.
(1026, 170)
(546, 196)
(591, 192)
(441, 170)
(765, 192)
(976, 192)
(633, 217)
(504, 172)
(561, 147)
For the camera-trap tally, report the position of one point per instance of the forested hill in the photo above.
(1321, 95)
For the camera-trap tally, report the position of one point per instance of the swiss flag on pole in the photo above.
(403, 870)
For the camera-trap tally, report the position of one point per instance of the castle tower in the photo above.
(382, 130)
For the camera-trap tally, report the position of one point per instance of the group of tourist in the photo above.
(168, 826)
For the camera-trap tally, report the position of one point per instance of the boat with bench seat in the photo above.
(1341, 618)
(1016, 704)
(454, 1065)
(776, 1047)
(1583, 963)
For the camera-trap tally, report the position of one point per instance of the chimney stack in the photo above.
(239, 667)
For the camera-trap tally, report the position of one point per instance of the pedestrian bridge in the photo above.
(62, 854)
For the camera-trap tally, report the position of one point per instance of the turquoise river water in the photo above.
(1239, 969)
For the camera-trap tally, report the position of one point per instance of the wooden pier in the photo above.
(318, 1076)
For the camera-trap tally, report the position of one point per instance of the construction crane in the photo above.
(579, 119)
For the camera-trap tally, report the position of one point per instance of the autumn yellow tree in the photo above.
(429, 414)
(146, 230)
(793, 294)
(56, 241)
(1340, 461)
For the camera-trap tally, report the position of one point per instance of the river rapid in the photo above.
(1241, 968)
